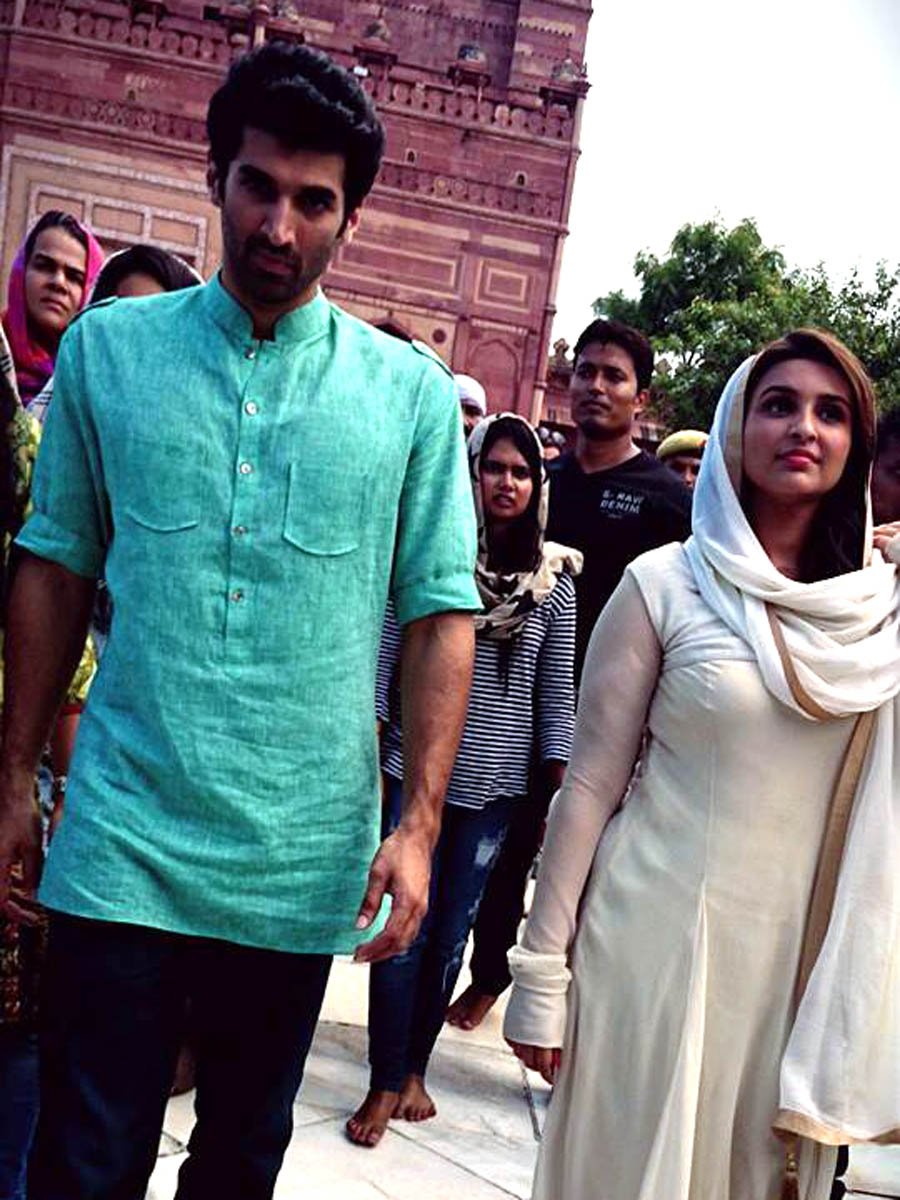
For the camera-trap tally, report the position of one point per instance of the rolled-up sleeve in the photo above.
(434, 559)
(69, 522)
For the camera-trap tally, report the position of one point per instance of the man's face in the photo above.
(471, 415)
(685, 466)
(886, 483)
(282, 219)
(604, 392)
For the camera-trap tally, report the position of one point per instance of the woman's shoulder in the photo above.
(666, 567)
(667, 586)
(562, 598)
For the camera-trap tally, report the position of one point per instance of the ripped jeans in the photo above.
(409, 994)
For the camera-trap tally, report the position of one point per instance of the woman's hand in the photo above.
(538, 1058)
(884, 535)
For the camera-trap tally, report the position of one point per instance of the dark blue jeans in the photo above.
(409, 994)
(18, 1106)
(113, 1016)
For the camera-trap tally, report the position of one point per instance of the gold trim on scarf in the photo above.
(795, 1124)
(798, 691)
(832, 851)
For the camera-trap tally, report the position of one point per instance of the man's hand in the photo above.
(538, 1058)
(884, 535)
(20, 845)
(402, 870)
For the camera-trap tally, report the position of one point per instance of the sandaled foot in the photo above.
(367, 1125)
(414, 1103)
(470, 1009)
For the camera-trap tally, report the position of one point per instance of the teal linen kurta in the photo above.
(252, 504)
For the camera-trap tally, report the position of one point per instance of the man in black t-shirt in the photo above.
(609, 498)
(612, 501)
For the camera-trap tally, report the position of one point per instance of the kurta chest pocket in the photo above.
(163, 491)
(324, 509)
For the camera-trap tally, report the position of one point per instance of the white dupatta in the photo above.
(828, 649)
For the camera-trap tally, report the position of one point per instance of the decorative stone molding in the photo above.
(139, 32)
(553, 122)
(423, 182)
(107, 113)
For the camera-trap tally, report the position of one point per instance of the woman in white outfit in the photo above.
(711, 970)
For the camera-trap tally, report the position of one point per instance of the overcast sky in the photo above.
(787, 111)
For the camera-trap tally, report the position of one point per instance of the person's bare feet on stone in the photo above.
(367, 1125)
(414, 1103)
(470, 1009)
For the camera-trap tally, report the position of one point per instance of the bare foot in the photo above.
(414, 1103)
(470, 1009)
(367, 1125)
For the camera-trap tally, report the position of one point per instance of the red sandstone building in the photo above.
(101, 113)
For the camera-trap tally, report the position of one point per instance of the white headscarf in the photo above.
(839, 656)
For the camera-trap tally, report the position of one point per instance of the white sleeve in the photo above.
(621, 670)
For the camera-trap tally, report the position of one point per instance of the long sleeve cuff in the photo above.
(536, 1013)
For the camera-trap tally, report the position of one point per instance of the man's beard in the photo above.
(268, 288)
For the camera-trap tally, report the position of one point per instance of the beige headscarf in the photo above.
(828, 649)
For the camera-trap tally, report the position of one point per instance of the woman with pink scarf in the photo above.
(51, 280)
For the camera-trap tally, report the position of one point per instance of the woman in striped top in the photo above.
(521, 708)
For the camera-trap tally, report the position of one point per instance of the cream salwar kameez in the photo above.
(691, 924)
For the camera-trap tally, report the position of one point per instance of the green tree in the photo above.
(722, 293)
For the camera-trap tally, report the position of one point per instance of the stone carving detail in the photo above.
(409, 178)
(554, 122)
(377, 31)
(112, 113)
(469, 52)
(128, 30)
(568, 71)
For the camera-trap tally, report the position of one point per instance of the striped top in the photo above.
(535, 710)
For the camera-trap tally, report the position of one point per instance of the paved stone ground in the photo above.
(481, 1146)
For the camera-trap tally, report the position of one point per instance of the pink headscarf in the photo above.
(33, 364)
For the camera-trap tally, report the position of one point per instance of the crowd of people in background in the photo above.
(671, 677)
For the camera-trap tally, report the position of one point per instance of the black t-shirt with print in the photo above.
(613, 516)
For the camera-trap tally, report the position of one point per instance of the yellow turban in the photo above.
(683, 441)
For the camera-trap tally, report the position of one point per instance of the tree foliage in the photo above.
(720, 294)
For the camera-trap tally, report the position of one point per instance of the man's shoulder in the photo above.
(144, 317)
(412, 358)
(565, 465)
(655, 476)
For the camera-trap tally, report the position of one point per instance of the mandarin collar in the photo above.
(299, 325)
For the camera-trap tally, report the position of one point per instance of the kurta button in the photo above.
(237, 595)
(239, 530)
(251, 408)
(245, 468)
(250, 353)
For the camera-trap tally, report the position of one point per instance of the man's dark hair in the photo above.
(632, 341)
(170, 272)
(306, 101)
(54, 218)
(888, 429)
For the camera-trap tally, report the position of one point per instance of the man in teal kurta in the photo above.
(254, 472)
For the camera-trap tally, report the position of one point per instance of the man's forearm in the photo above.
(436, 673)
(46, 626)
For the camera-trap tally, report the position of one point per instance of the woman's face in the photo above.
(798, 432)
(139, 283)
(54, 283)
(506, 483)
